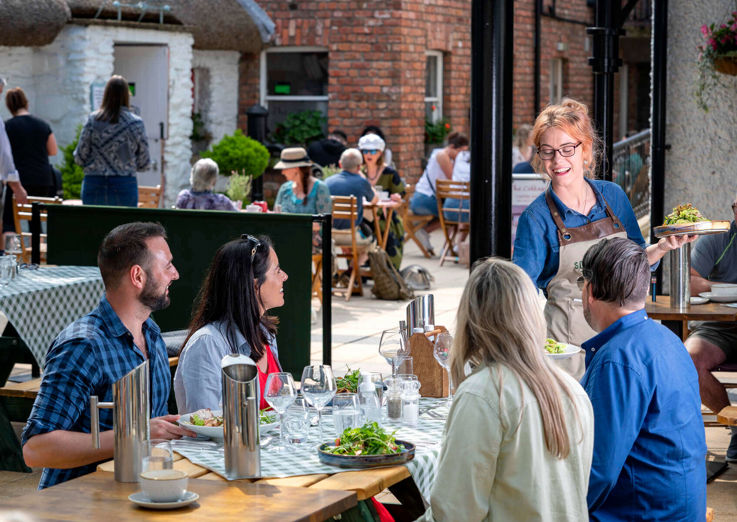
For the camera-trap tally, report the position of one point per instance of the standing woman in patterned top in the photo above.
(385, 178)
(111, 149)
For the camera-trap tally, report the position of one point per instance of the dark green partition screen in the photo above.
(75, 234)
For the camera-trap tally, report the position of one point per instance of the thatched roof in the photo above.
(239, 25)
(31, 23)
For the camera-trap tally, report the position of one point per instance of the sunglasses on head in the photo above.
(370, 151)
(256, 243)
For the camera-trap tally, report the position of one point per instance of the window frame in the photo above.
(263, 72)
(436, 100)
(556, 80)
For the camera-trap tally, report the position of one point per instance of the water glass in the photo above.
(405, 365)
(280, 392)
(7, 269)
(297, 421)
(378, 381)
(345, 412)
(318, 387)
(160, 456)
(12, 244)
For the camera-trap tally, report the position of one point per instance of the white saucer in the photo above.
(142, 500)
(729, 298)
(698, 300)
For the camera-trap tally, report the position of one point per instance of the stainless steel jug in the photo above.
(420, 312)
(680, 276)
(131, 414)
(240, 417)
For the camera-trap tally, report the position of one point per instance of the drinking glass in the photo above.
(378, 381)
(345, 412)
(441, 351)
(160, 456)
(12, 245)
(318, 387)
(297, 421)
(404, 364)
(7, 269)
(280, 393)
(392, 345)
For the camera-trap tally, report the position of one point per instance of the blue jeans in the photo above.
(423, 205)
(118, 191)
(450, 209)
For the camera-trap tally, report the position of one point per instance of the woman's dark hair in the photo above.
(115, 96)
(304, 175)
(228, 294)
(16, 100)
(373, 129)
(457, 140)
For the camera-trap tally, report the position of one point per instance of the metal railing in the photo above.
(631, 170)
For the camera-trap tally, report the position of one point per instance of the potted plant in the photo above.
(435, 134)
(300, 128)
(717, 56)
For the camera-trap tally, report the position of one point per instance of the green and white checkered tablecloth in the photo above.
(41, 303)
(302, 459)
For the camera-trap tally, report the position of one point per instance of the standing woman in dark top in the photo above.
(32, 142)
(111, 149)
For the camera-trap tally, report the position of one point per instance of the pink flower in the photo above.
(713, 45)
(704, 30)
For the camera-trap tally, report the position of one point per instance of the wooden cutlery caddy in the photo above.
(433, 377)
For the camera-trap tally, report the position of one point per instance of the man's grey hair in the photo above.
(618, 271)
(3, 82)
(351, 159)
(204, 174)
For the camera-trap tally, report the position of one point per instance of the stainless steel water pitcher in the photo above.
(131, 414)
(680, 276)
(240, 417)
(420, 311)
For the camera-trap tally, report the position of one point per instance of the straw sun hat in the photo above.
(293, 157)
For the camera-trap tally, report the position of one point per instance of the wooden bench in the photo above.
(16, 402)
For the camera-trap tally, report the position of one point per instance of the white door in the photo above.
(146, 67)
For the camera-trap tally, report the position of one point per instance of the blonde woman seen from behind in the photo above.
(519, 437)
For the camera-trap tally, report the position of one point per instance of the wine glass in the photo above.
(392, 345)
(441, 351)
(280, 393)
(318, 387)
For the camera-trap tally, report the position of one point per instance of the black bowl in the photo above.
(366, 461)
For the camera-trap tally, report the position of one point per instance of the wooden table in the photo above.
(677, 319)
(98, 496)
(388, 206)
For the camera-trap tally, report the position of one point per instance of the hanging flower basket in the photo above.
(726, 65)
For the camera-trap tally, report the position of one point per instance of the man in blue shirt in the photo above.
(100, 348)
(649, 445)
(350, 182)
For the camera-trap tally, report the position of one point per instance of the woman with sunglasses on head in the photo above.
(575, 212)
(244, 282)
(383, 177)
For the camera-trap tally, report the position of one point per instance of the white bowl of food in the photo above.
(209, 423)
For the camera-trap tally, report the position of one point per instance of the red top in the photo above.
(271, 367)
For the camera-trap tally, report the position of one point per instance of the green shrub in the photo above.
(300, 128)
(436, 132)
(71, 173)
(239, 187)
(239, 153)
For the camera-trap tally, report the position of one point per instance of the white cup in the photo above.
(163, 485)
(724, 289)
(253, 208)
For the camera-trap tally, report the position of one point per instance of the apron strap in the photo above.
(565, 234)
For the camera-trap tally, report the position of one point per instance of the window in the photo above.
(433, 85)
(293, 79)
(556, 80)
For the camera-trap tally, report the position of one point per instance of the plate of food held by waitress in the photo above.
(575, 212)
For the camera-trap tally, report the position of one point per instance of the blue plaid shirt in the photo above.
(86, 359)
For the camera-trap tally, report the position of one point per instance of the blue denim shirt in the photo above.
(86, 359)
(536, 246)
(350, 184)
(649, 445)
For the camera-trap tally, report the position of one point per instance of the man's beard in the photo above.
(587, 314)
(150, 298)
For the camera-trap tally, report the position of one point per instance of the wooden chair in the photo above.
(458, 190)
(317, 276)
(22, 219)
(349, 245)
(413, 222)
(149, 197)
(728, 384)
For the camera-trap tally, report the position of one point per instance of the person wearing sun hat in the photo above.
(384, 178)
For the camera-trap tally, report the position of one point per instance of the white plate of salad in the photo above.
(556, 350)
(209, 423)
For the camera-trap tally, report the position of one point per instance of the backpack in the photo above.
(388, 283)
(417, 277)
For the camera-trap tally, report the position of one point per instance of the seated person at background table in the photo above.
(714, 259)
(384, 178)
(376, 130)
(327, 152)
(231, 318)
(98, 349)
(519, 435)
(350, 182)
(202, 178)
(649, 445)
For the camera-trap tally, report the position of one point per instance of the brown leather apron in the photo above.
(564, 308)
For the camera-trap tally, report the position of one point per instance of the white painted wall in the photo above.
(57, 79)
(222, 116)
